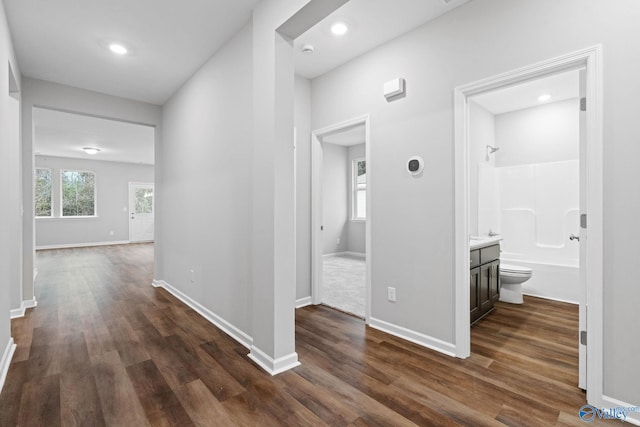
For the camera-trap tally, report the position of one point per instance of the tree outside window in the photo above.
(42, 195)
(78, 193)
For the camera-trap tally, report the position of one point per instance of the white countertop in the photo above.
(477, 242)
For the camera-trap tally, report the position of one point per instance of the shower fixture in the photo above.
(490, 150)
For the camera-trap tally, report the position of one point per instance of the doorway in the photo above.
(591, 204)
(341, 220)
(141, 212)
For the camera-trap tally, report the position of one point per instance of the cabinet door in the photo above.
(474, 296)
(484, 294)
(494, 282)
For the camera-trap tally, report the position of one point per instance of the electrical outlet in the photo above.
(338, 241)
(111, 233)
(193, 278)
(391, 294)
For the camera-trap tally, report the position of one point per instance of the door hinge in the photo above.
(583, 221)
(322, 228)
(583, 337)
(583, 104)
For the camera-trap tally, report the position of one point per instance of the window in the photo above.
(78, 193)
(42, 194)
(359, 185)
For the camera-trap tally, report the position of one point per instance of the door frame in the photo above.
(316, 209)
(131, 184)
(591, 60)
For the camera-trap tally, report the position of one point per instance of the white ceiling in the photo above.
(525, 95)
(371, 23)
(65, 41)
(346, 137)
(63, 134)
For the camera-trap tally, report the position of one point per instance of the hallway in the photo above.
(104, 347)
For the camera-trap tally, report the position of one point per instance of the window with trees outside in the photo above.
(359, 185)
(78, 193)
(43, 192)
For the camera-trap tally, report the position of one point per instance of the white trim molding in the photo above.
(20, 312)
(273, 366)
(303, 302)
(610, 402)
(413, 336)
(589, 59)
(213, 318)
(82, 245)
(5, 362)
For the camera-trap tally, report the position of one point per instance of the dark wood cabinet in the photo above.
(494, 282)
(474, 295)
(484, 281)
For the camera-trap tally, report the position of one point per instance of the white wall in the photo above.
(546, 133)
(335, 195)
(8, 183)
(14, 203)
(302, 121)
(412, 241)
(355, 229)
(482, 132)
(38, 93)
(206, 212)
(112, 202)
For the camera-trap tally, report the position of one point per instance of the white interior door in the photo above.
(141, 212)
(582, 320)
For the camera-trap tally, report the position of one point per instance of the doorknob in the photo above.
(574, 237)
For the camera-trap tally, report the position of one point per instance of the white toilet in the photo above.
(511, 279)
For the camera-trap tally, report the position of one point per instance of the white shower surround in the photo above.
(535, 208)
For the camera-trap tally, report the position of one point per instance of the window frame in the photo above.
(95, 194)
(357, 188)
(35, 181)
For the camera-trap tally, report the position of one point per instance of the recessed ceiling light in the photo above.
(117, 48)
(544, 97)
(339, 28)
(91, 150)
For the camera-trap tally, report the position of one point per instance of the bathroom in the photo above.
(524, 175)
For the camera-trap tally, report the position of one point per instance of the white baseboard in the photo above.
(347, 253)
(81, 245)
(303, 302)
(549, 298)
(20, 312)
(632, 417)
(413, 336)
(218, 321)
(273, 367)
(5, 362)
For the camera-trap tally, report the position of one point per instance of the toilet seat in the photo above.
(514, 270)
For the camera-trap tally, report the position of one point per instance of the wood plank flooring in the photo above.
(104, 348)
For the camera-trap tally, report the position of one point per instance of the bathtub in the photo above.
(551, 281)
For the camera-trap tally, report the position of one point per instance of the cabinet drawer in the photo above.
(489, 254)
(475, 258)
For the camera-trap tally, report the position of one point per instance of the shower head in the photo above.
(491, 150)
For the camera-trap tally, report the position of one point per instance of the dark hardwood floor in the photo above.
(103, 347)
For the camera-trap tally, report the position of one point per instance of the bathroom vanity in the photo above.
(485, 276)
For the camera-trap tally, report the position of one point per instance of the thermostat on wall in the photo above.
(415, 165)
